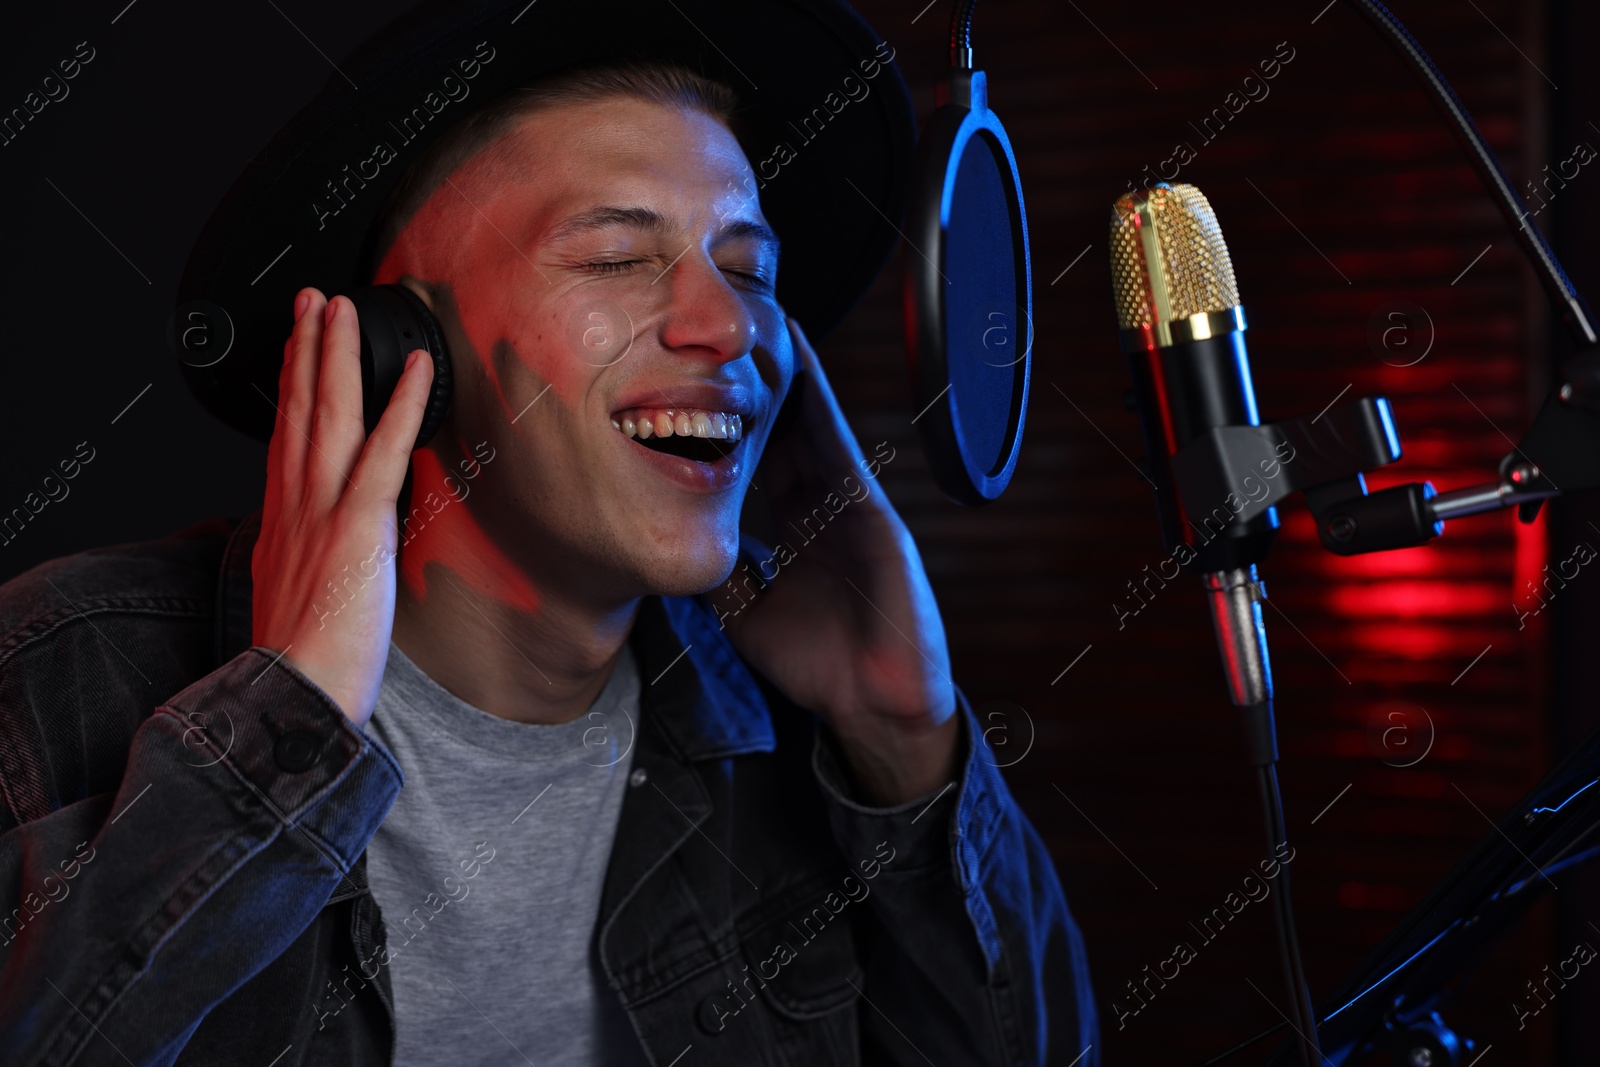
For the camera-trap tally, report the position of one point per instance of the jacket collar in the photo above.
(692, 682)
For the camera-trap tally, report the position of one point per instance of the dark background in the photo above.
(1133, 771)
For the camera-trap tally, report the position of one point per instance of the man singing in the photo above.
(511, 748)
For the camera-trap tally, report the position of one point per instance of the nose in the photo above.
(706, 314)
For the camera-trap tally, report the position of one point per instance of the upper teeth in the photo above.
(665, 422)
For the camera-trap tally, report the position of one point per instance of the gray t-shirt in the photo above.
(488, 873)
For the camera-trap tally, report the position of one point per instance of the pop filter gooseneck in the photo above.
(968, 287)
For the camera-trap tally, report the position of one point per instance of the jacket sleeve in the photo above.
(125, 918)
(979, 960)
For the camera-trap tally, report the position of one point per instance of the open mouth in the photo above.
(702, 436)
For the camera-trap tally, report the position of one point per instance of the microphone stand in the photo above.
(1559, 454)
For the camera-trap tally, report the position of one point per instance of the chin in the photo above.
(690, 568)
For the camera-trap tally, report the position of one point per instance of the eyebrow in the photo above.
(647, 221)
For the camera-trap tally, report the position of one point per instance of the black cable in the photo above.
(1574, 312)
(1302, 1016)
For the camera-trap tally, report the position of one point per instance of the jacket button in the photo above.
(712, 1019)
(638, 778)
(297, 751)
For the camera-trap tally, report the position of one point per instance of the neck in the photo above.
(482, 626)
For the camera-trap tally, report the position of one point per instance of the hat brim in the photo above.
(827, 124)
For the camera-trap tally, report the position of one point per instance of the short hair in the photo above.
(659, 82)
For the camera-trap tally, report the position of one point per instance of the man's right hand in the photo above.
(323, 574)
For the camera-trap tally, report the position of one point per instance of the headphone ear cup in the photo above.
(443, 387)
(393, 322)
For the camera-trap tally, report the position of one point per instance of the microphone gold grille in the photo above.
(1170, 269)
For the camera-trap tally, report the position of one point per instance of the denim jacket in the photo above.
(184, 819)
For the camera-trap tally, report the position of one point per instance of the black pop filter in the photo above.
(968, 287)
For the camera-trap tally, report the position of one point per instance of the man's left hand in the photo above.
(846, 625)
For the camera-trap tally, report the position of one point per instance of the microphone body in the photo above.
(1185, 389)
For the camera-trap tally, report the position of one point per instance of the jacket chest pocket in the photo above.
(795, 980)
(803, 952)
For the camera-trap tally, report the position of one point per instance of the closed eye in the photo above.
(755, 278)
(611, 266)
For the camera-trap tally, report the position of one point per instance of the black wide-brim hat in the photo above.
(827, 125)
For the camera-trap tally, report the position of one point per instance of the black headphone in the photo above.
(394, 321)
